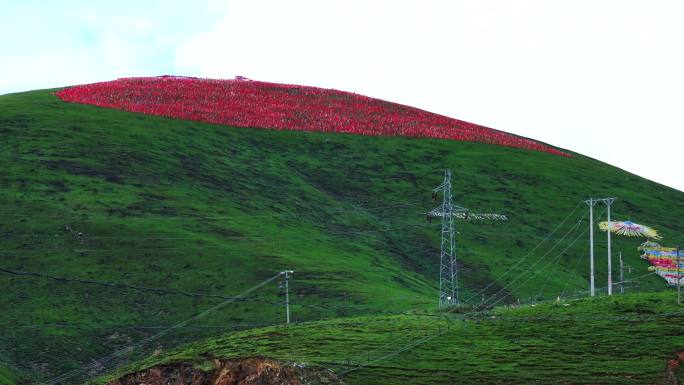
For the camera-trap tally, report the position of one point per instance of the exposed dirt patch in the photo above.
(674, 373)
(248, 371)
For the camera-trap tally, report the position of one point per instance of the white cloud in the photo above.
(49, 44)
(602, 78)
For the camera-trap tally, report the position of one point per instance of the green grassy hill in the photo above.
(102, 195)
(621, 340)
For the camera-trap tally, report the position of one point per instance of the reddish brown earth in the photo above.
(673, 369)
(248, 371)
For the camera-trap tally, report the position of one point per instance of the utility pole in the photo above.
(622, 276)
(448, 268)
(287, 274)
(591, 202)
(608, 202)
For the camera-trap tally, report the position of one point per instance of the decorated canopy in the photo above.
(630, 229)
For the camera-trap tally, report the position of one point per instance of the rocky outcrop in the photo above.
(248, 371)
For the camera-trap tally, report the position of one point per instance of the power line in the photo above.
(147, 340)
(291, 238)
(236, 298)
(139, 327)
(123, 285)
(501, 293)
(585, 292)
(203, 236)
(574, 270)
(427, 339)
(497, 318)
(529, 268)
(534, 274)
(520, 261)
(542, 258)
(404, 348)
(77, 217)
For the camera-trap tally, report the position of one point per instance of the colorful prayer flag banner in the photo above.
(664, 261)
(630, 229)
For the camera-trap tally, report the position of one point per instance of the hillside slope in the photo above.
(628, 339)
(122, 198)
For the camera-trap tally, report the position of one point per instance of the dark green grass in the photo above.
(621, 340)
(6, 377)
(205, 208)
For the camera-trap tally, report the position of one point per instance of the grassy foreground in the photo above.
(6, 377)
(619, 340)
(109, 196)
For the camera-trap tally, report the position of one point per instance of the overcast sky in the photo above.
(601, 77)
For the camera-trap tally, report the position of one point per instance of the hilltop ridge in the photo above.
(247, 103)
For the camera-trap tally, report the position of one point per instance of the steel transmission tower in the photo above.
(448, 268)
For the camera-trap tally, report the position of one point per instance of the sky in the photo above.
(601, 77)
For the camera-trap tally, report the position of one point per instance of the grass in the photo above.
(106, 195)
(6, 377)
(619, 340)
